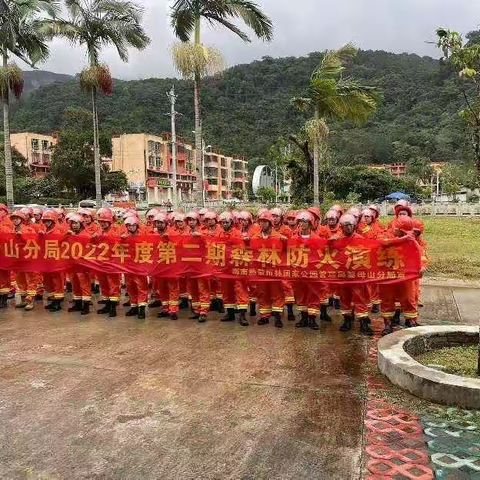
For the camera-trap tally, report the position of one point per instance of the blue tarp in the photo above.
(397, 196)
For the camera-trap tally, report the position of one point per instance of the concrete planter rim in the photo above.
(403, 370)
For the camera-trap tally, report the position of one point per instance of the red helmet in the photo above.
(191, 215)
(368, 212)
(37, 210)
(209, 215)
(403, 209)
(375, 209)
(50, 215)
(348, 217)
(105, 216)
(19, 214)
(160, 217)
(355, 212)
(27, 211)
(305, 215)
(291, 214)
(203, 211)
(337, 208)
(315, 211)
(418, 225)
(404, 223)
(332, 214)
(152, 212)
(75, 218)
(399, 204)
(132, 220)
(178, 217)
(265, 216)
(225, 216)
(3, 207)
(59, 211)
(244, 215)
(276, 211)
(262, 210)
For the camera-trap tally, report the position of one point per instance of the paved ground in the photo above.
(99, 398)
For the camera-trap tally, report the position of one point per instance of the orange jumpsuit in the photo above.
(137, 285)
(214, 284)
(286, 284)
(271, 298)
(234, 292)
(54, 281)
(5, 275)
(26, 281)
(81, 281)
(325, 231)
(109, 282)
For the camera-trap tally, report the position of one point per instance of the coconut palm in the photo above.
(331, 97)
(95, 24)
(20, 36)
(195, 60)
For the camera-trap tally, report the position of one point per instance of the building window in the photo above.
(158, 147)
(151, 144)
(158, 162)
(151, 161)
(44, 144)
(34, 143)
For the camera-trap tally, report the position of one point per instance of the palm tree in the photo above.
(20, 36)
(95, 24)
(331, 97)
(195, 60)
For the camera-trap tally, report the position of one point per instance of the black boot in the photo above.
(375, 308)
(303, 322)
(113, 310)
(336, 303)
(38, 297)
(411, 323)
(347, 323)
(263, 321)
(202, 318)
(323, 314)
(396, 318)
(155, 304)
(330, 301)
(76, 307)
(365, 326)
(220, 307)
(312, 323)
(183, 305)
(195, 316)
(141, 313)
(163, 314)
(230, 316)
(253, 310)
(278, 320)
(95, 288)
(387, 330)
(243, 319)
(132, 312)
(68, 287)
(290, 314)
(56, 306)
(127, 304)
(103, 301)
(85, 307)
(22, 303)
(105, 309)
(50, 305)
(3, 301)
(173, 316)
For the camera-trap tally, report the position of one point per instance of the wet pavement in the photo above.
(90, 397)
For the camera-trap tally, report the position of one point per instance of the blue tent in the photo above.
(397, 196)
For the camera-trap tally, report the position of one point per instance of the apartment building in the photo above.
(225, 177)
(36, 148)
(147, 161)
(400, 169)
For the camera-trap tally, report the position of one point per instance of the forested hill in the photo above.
(248, 106)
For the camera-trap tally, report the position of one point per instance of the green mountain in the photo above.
(247, 107)
(35, 79)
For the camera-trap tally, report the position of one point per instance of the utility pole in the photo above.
(173, 114)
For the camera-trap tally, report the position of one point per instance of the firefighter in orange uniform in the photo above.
(234, 292)
(168, 288)
(353, 298)
(52, 280)
(403, 292)
(5, 275)
(211, 229)
(109, 282)
(271, 298)
(178, 228)
(309, 295)
(81, 282)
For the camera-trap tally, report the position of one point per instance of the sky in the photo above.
(301, 27)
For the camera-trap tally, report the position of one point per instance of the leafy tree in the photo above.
(419, 167)
(194, 60)
(20, 37)
(266, 194)
(95, 24)
(331, 96)
(465, 59)
(73, 165)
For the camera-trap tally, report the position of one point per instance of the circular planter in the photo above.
(396, 363)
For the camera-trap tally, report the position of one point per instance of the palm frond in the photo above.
(229, 25)
(190, 59)
(253, 17)
(301, 103)
(11, 79)
(182, 20)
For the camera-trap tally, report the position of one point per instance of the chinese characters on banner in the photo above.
(339, 261)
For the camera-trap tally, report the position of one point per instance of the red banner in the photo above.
(331, 261)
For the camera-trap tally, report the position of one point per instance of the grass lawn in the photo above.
(453, 247)
(456, 360)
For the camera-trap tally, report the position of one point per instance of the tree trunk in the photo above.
(316, 161)
(199, 157)
(96, 152)
(7, 144)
